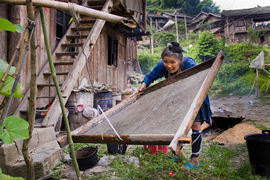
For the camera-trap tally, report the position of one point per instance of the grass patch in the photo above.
(257, 124)
(219, 162)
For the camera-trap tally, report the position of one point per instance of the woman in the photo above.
(173, 62)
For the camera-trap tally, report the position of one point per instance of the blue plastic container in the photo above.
(103, 99)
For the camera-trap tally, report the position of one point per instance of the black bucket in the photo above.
(87, 157)
(259, 152)
(116, 148)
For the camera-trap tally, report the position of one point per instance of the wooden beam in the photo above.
(79, 9)
(137, 34)
(139, 139)
(197, 102)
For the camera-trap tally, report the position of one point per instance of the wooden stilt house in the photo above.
(91, 49)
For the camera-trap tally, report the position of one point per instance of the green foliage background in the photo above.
(184, 6)
(148, 61)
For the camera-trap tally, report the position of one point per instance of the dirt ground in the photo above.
(255, 110)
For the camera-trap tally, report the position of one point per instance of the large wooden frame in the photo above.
(160, 133)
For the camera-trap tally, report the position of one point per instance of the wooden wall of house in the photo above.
(3, 34)
(100, 71)
(132, 60)
(17, 14)
(236, 31)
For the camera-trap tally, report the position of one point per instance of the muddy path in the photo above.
(255, 110)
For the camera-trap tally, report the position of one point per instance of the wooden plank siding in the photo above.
(238, 21)
(10, 39)
(101, 71)
(96, 68)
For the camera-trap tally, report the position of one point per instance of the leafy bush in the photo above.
(165, 37)
(12, 127)
(241, 52)
(207, 46)
(148, 61)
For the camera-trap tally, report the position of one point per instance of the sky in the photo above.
(240, 4)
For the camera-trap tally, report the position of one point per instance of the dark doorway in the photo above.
(62, 20)
(112, 51)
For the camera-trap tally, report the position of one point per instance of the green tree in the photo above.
(192, 7)
(209, 6)
(172, 4)
(207, 46)
(165, 37)
(148, 61)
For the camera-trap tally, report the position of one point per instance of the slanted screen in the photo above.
(159, 112)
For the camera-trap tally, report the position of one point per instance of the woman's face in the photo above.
(171, 63)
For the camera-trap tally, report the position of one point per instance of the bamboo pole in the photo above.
(75, 163)
(21, 55)
(12, 59)
(78, 9)
(197, 102)
(33, 93)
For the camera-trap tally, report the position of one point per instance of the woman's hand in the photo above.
(139, 89)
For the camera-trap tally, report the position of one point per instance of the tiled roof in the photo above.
(251, 11)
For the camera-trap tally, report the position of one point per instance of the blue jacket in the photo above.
(160, 71)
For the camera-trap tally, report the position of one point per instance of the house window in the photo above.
(112, 51)
(62, 19)
(240, 23)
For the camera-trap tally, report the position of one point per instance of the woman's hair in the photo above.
(173, 49)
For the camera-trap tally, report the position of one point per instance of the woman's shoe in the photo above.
(190, 166)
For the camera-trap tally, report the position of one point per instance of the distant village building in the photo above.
(211, 22)
(156, 21)
(237, 23)
(180, 16)
(165, 21)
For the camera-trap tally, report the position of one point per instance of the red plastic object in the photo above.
(171, 174)
(156, 149)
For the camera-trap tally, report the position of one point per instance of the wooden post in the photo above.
(142, 139)
(59, 93)
(257, 79)
(186, 26)
(176, 27)
(152, 37)
(33, 94)
(197, 102)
